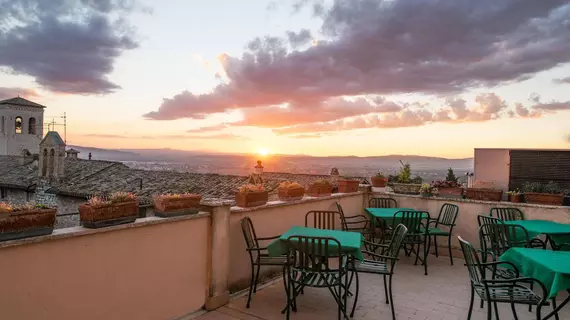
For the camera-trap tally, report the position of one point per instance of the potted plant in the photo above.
(27, 220)
(348, 185)
(403, 181)
(379, 180)
(426, 190)
(251, 195)
(549, 194)
(515, 196)
(484, 190)
(288, 191)
(103, 211)
(320, 188)
(171, 205)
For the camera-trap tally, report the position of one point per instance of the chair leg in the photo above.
(435, 244)
(471, 303)
(251, 284)
(386, 290)
(291, 288)
(496, 310)
(514, 311)
(425, 257)
(538, 309)
(391, 298)
(256, 279)
(489, 310)
(554, 308)
(356, 294)
(449, 246)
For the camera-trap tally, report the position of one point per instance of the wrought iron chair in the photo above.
(357, 223)
(382, 203)
(416, 222)
(383, 263)
(446, 218)
(258, 255)
(309, 265)
(507, 214)
(493, 291)
(322, 219)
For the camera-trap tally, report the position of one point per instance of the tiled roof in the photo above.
(18, 101)
(15, 175)
(52, 138)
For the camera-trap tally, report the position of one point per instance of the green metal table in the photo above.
(385, 214)
(350, 242)
(552, 268)
(557, 233)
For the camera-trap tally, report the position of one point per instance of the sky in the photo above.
(316, 77)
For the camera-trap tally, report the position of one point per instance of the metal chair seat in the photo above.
(509, 294)
(370, 266)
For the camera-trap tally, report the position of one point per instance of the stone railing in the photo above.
(153, 268)
(467, 226)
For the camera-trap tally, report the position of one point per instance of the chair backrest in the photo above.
(447, 214)
(312, 253)
(398, 236)
(507, 214)
(485, 232)
(472, 262)
(249, 233)
(343, 223)
(501, 237)
(320, 219)
(481, 220)
(412, 220)
(382, 203)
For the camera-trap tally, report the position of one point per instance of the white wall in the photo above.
(493, 165)
(12, 143)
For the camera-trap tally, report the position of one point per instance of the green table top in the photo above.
(552, 268)
(349, 241)
(558, 232)
(385, 213)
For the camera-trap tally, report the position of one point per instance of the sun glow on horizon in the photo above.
(263, 152)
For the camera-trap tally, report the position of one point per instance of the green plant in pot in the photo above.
(426, 190)
(515, 196)
(404, 183)
(549, 194)
(448, 187)
(379, 180)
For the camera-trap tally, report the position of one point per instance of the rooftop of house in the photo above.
(87, 177)
(19, 101)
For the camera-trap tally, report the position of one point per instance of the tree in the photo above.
(450, 175)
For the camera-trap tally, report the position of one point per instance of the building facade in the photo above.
(21, 126)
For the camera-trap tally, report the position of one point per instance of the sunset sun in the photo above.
(263, 152)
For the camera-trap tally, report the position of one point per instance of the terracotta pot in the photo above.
(28, 223)
(544, 198)
(484, 194)
(251, 199)
(319, 190)
(108, 214)
(378, 182)
(170, 206)
(406, 188)
(454, 192)
(348, 186)
(516, 198)
(290, 194)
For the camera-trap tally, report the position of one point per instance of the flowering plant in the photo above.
(514, 192)
(115, 197)
(426, 188)
(289, 185)
(445, 184)
(6, 207)
(322, 182)
(251, 188)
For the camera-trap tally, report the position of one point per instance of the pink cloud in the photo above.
(6, 93)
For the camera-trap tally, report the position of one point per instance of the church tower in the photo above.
(52, 157)
(21, 126)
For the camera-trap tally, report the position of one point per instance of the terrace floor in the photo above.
(442, 295)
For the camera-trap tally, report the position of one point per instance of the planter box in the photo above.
(348, 186)
(24, 224)
(456, 192)
(426, 195)
(516, 198)
(290, 194)
(378, 182)
(251, 199)
(172, 206)
(406, 188)
(108, 214)
(319, 190)
(484, 194)
(544, 198)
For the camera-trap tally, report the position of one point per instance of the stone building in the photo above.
(21, 126)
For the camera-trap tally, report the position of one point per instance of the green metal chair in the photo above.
(323, 219)
(258, 255)
(416, 222)
(446, 219)
(309, 265)
(356, 223)
(382, 202)
(507, 214)
(494, 291)
(383, 263)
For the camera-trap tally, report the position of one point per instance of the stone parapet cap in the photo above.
(81, 231)
(306, 199)
(496, 203)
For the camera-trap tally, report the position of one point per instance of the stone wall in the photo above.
(12, 143)
(42, 197)
(17, 196)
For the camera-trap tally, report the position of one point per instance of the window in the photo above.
(2, 125)
(3, 193)
(18, 124)
(32, 126)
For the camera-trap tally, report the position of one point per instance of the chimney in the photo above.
(258, 169)
(334, 172)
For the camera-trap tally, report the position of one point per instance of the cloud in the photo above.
(561, 80)
(67, 46)
(209, 128)
(553, 106)
(301, 38)
(221, 136)
(6, 93)
(308, 136)
(388, 47)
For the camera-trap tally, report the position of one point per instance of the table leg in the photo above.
(555, 311)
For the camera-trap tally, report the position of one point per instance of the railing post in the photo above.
(219, 255)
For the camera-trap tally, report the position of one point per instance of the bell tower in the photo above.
(52, 157)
